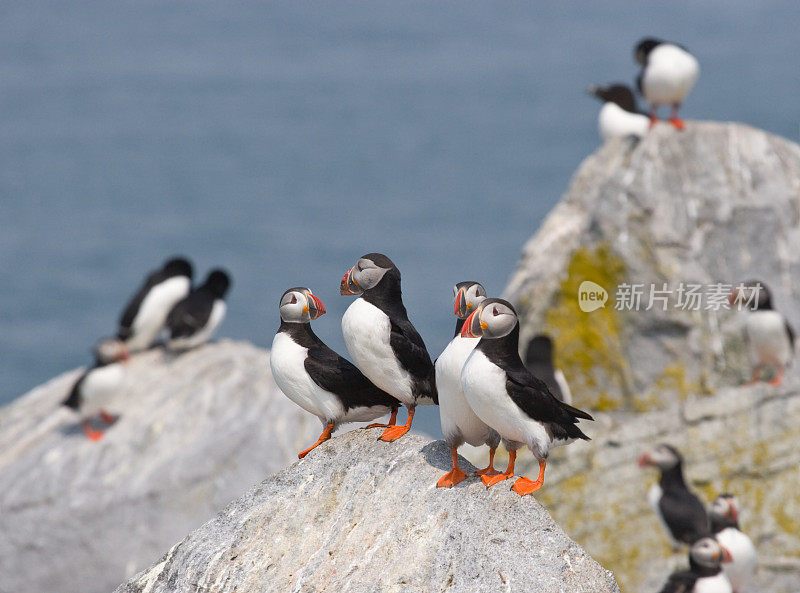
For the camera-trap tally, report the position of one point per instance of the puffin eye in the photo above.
(495, 312)
(293, 301)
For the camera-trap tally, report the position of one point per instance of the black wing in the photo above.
(410, 350)
(685, 516)
(545, 373)
(639, 82)
(789, 332)
(339, 376)
(132, 308)
(74, 399)
(680, 582)
(533, 398)
(190, 315)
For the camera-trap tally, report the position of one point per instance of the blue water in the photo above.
(285, 140)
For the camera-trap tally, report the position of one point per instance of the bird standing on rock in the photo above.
(382, 341)
(619, 116)
(316, 378)
(507, 397)
(193, 320)
(668, 73)
(459, 422)
(724, 515)
(706, 559)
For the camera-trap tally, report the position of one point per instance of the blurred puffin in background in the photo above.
(619, 117)
(193, 320)
(724, 515)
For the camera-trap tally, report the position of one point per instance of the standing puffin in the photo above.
(680, 511)
(507, 397)
(144, 316)
(316, 378)
(459, 422)
(539, 361)
(706, 558)
(724, 515)
(91, 391)
(381, 340)
(668, 73)
(769, 336)
(619, 116)
(194, 319)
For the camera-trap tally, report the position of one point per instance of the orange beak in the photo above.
(319, 308)
(726, 555)
(466, 330)
(460, 304)
(348, 284)
(644, 460)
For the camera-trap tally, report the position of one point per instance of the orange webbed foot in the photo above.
(487, 471)
(776, 381)
(376, 425)
(525, 486)
(490, 481)
(653, 121)
(451, 478)
(91, 433)
(678, 124)
(393, 433)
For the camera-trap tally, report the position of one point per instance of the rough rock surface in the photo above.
(358, 514)
(194, 433)
(716, 203)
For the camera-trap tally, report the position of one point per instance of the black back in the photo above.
(191, 314)
(619, 94)
(539, 361)
(404, 339)
(334, 373)
(684, 513)
(530, 394)
(680, 582)
(75, 397)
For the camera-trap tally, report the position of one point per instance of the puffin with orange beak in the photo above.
(382, 341)
(724, 515)
(316, 378)
(707, 558)
(507, 397)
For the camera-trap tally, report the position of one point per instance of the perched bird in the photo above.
(92, 390)
(194, 319)
(668, 73)
(316, 378)
(681, 512)
(724, 515)
(145, 315)
(507, 397)
(706, 557)
(769, 336)
(619, 117)
(381, 340)
(459, 422)
(539, 361)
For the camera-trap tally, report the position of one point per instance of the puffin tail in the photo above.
(575, 412)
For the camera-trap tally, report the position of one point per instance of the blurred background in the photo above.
(283, 141)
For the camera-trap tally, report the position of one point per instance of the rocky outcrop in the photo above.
(194, 433)
(359, 514)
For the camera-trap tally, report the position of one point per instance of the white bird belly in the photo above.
(745, 557)
(366, 330)
(615, 122)
(767, 338)
(204, 334)
(457, 417)
(287, 361)
(717, 584)
(669, 75)
(153, 311)
(100, 387)
(484, 385)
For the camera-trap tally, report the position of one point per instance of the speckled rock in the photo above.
(194, 433)
(360, 515)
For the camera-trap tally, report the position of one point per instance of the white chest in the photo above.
(670, 74)
(744, 557)
(154, 309)
(768, 340)
(615, 122)
(100, 386)
(716, 584)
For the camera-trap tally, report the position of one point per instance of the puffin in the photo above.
(539, 361)
(97, 384)
(382, 341)
(316, 378)
(680, 511)
(724, 515)
(507, 397)
(668, 73)
(193, 320)
(143, 318)
(459, 422)
(705, 574)
(619, 117)
(769, 335)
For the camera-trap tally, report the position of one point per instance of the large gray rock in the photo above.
(359, 514)
(195, 432)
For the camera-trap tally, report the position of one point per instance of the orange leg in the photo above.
(489, 469)
(525, 486)
(107, 418)
(326, 434)
(778, 378)
(492, 480)
(392, 421)
(395, 432)
(756, 376)
(674, 119)
(454, 476)
(91, 433)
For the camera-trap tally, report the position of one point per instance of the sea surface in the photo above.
(284, 140)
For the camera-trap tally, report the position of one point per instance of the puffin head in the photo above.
(366, 274)
(218, 282)
(708, 553)
(299, 305)
(752, 295)
(724, 509)
(466, 297)
(540, 350)
(492, 318)
(617, 93)
(110, 350)
(663, 456)
(178, 266)
(644, 47)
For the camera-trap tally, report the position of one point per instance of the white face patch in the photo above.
(367, 274)
(497, 320)
(292, 307)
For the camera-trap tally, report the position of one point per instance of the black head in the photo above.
(664, 456)
(110, 350)
(466, 297)
(178, 266)
(367, 273)
(218, 282)
(644, 47)
(617, 93)
(492, 319)
(300, 305)
(724, 512)
(540, 350)
(706, 556)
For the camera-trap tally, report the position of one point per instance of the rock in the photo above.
(716, 203)
(194, 433)
(359, 514)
